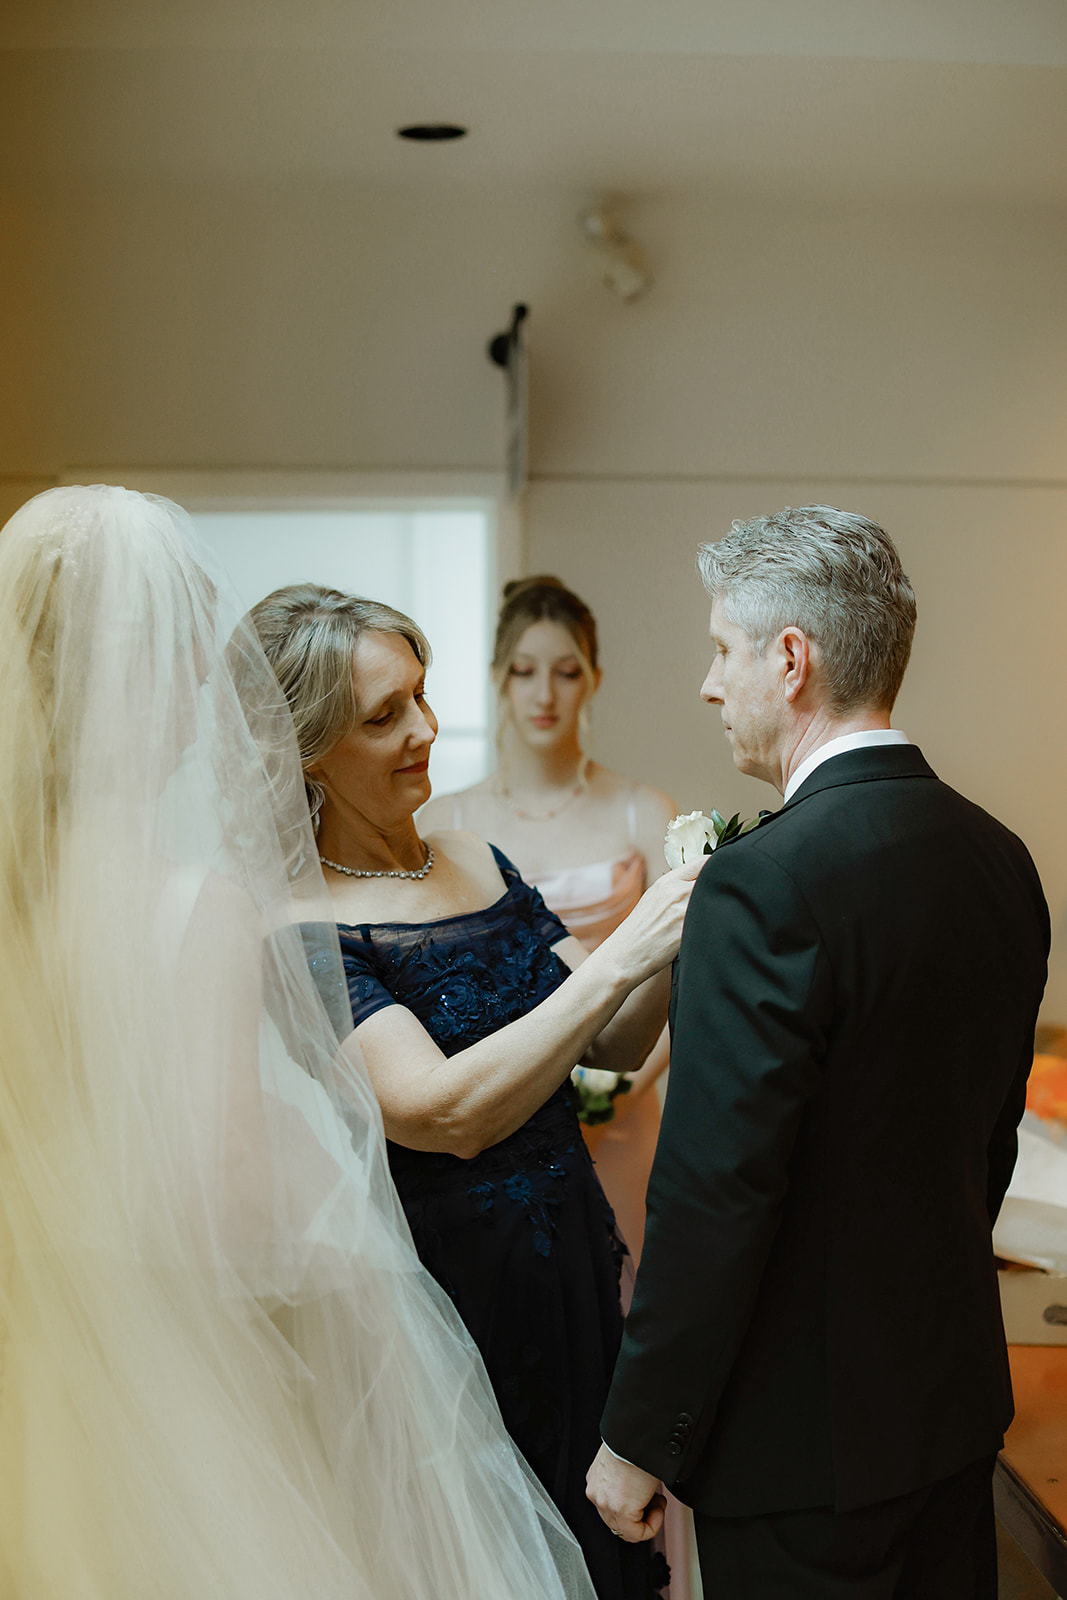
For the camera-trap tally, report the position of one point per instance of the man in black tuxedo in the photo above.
(815, 1358)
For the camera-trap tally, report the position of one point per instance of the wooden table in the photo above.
(1030, 1484)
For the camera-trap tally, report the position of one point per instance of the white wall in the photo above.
(326, 327)
(906, 359)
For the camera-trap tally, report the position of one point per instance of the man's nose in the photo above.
(710, 692)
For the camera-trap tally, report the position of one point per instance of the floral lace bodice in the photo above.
(464, 977)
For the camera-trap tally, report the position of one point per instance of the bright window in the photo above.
(434, 565)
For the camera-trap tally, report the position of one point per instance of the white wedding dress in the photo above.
(223, 1371)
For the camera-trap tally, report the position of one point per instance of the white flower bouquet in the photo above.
(597, 1092)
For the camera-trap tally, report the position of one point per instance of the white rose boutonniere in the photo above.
(688, 837)
(694, 835)
(597, 1091)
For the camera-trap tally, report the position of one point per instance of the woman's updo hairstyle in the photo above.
(309, 635)
(542, 599)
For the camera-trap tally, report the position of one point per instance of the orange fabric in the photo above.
(1046, 1091)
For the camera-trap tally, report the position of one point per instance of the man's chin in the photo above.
(746, 764)
(742, 761)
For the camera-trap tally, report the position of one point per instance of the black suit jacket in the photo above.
(816, 1319)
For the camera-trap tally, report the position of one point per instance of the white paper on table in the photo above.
(1032, 1226)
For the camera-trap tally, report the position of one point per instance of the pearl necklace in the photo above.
(358, 872)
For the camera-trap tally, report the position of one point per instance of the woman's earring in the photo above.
(316, 795)
(503, 722)
(585, 730)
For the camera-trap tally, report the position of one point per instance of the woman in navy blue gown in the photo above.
(471, 1004)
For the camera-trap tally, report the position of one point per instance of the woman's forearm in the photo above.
(466, 1102)
(627, 1040)
(654, 1066)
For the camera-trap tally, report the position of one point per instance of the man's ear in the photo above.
(796, 653)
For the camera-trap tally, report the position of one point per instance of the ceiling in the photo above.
(966, 98)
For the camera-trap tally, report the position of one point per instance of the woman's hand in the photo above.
(463, 1103)
(641, 949)
(649, 937)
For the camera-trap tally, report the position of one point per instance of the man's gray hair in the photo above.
(837, 577)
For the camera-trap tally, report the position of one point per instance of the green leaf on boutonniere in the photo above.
(728, 829)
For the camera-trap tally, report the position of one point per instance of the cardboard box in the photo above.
(1034, 1305)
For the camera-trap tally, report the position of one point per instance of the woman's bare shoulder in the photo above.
(214, 897)
(604, 784)
(215, 920)
(649, 811)
(458, 845)
(444, 811)
(653, 804)
(468, 852)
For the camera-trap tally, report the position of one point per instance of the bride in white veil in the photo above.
(223, 1371)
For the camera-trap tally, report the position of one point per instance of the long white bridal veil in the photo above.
(223, 1372)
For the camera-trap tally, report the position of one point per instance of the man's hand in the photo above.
(628, 1499)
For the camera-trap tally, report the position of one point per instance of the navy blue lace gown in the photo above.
(521, 1236)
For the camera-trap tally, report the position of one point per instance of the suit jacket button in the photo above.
(673, 1447)
(685, 1420)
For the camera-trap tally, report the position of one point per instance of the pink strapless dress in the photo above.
(591, 901)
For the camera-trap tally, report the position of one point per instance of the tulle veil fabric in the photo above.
(222, 1368)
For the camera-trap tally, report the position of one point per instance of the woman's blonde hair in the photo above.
(542, 599)
(309, 635)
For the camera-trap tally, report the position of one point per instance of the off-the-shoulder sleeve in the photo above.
(366, 991)
(528, 902)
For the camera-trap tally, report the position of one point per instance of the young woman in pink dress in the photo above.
(589, 839)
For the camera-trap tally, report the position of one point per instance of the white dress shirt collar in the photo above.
(837, 747)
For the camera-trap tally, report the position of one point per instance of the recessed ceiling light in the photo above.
(432, 132)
